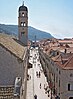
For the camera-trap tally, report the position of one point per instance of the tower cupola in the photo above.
(23, 8)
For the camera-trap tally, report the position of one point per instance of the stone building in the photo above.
(14, 60)
(58, 69)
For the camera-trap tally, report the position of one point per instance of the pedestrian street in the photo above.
(37, 80)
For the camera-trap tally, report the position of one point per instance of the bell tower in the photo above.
(23, 24)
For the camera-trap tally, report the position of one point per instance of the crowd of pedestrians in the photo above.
(38, 74)
(45, 86)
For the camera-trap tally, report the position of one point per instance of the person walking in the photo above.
(44, 86)
(39, 74)
(35, 96)
(40, 85)
(36, 73)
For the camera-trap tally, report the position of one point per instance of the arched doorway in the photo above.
(71, 98)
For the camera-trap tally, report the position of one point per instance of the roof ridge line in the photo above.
(58, 57)
(68, 61)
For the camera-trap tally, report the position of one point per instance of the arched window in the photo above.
(23, 24)
(22, 33)
(68, 87)
(23, 14)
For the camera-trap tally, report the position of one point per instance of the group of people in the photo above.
(38, 74)
(28, 77)
(46, 88)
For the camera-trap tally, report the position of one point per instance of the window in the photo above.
(59, 83)
(22, 33)
(23, 14)
(59, 72)
(56, 79)
(68, 87)
(23, 28)
(57, 69)
(71, 75)
(23, 24)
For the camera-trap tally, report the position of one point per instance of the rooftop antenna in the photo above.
(23, 3)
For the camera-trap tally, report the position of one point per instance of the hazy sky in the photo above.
(53, 16)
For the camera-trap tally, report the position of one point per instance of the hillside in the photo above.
(13, 30)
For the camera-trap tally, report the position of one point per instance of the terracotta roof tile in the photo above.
(69, 63)
(66, 62)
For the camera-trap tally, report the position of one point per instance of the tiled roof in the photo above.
(56, 58)
(64, 61)
(69, 63)
(66, 41)
(70, 45)
(12, 45)
(70, 50)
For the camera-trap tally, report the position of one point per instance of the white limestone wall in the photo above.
(10, 67)
(67, 79)
(63, 76)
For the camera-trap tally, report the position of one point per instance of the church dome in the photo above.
(23, 8)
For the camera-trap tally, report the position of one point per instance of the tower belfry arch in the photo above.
(23, 24)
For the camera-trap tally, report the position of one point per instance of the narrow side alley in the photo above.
(37, 80)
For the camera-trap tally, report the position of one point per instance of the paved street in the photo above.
(33, 84)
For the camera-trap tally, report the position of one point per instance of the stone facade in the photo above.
(59, 77)
(10, 67)
(13, 64)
